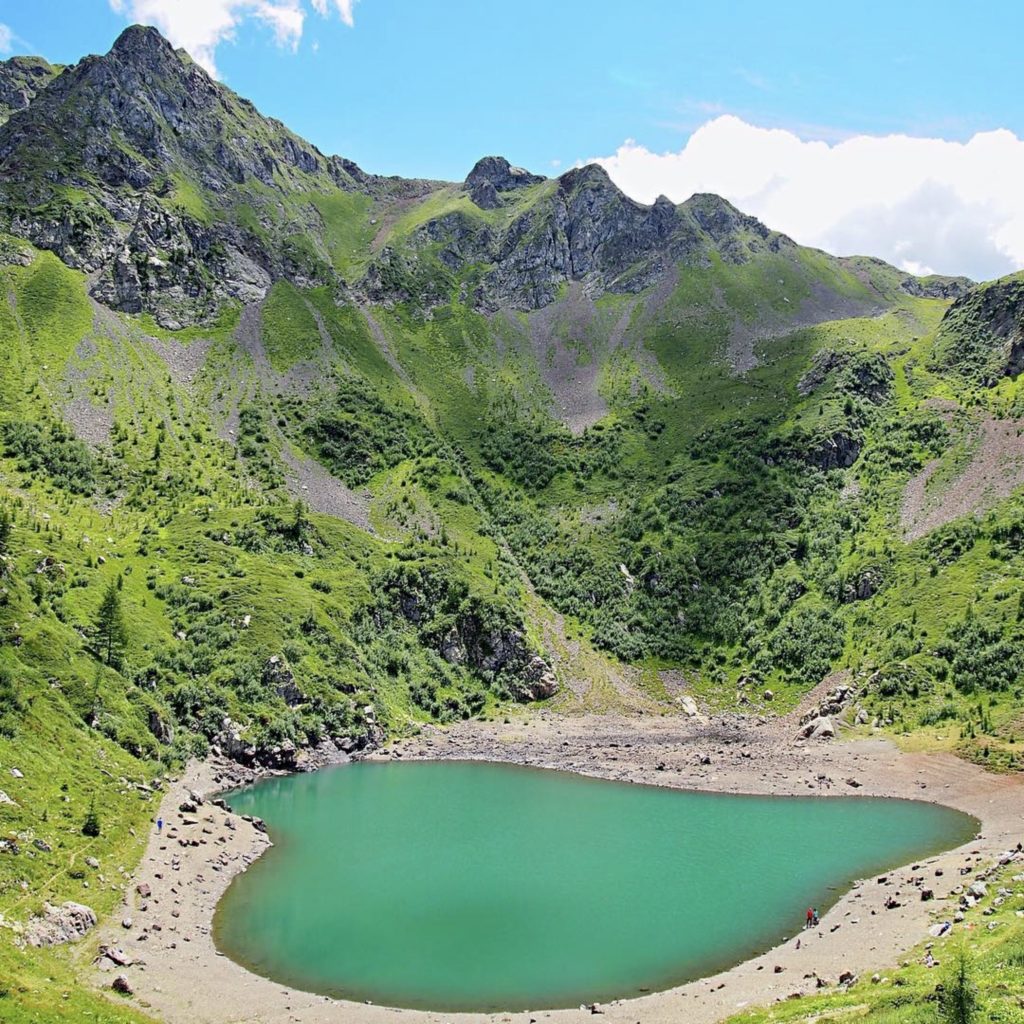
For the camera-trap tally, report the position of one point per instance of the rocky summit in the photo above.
(175, 195)
(296, 459)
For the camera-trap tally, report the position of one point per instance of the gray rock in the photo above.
(58, 925)
(21, 79)
(278, 675)
(821, 728)
(501, 174)
(160, 727)
(862, 586)
(122, 985)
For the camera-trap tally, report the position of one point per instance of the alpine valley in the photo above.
(297, 460)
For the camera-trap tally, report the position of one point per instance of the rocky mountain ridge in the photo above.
(175, 195)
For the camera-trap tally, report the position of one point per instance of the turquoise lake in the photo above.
(478, 886)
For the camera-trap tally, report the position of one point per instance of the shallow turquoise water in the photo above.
(456, 885)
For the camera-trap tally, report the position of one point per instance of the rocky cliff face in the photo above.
(21, 79)
(982, 333)
(138, 168)
(577, 228)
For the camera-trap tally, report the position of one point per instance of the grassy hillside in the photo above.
(321, 522)
(295, 458)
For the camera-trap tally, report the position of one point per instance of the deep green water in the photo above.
(455, 885)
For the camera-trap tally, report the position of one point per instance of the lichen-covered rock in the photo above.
(58, 925)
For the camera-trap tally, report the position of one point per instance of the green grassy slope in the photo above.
(382, 497)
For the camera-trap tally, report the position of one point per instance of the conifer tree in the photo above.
(111, 631)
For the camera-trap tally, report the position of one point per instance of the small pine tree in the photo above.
(299, 521)
(111, 631)
(91, 825)
(959, 1002)
(6, 525)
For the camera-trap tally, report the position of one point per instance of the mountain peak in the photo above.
(141, 41)
(493, 174)
(719, 218)
(588, 174)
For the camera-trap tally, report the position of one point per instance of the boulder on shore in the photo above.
(821, 728)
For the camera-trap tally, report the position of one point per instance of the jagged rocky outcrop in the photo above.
(837, 451)
(577, 228)
(982, 333)
(936, 286)
(862, 585)
(58, 925)
(465, 631)
(494, 175)
(21, 79)
(500, 652)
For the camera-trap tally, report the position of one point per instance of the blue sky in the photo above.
(425, 87)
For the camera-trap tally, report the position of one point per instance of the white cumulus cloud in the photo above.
(926, 205)
(344, 8)
(200, 26)
(6, 38)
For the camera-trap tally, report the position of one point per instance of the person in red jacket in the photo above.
(810, 917)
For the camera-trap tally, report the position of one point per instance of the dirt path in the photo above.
(179, 974)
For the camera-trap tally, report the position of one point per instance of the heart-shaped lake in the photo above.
(477, 886)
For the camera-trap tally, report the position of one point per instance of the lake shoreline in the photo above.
(187, 869)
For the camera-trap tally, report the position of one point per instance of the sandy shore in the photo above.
(179, 975)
